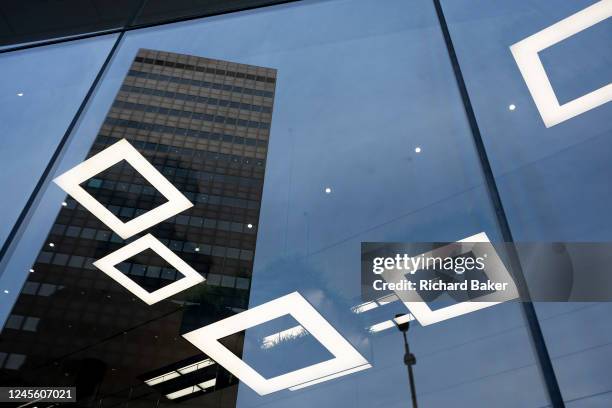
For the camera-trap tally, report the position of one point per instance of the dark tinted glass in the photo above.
(25, 21)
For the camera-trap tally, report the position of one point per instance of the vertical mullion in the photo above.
(535, 331)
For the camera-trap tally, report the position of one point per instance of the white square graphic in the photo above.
(346, 359)
(526, 51)
(108, 263)
(423, 313)
(122, 150)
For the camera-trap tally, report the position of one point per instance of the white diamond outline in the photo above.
(426, 316)
(525, 53)
(346, 357)
(107, 265)
(123, 150)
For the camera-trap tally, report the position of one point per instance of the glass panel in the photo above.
(26, 21)
(554, 181)
(41, 90)
(368, 141)
(155, 11)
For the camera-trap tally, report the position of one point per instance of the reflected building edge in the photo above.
(204, 124)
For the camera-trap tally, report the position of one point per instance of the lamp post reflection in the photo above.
(409, 359)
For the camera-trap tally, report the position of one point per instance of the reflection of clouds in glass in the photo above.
(283, 336)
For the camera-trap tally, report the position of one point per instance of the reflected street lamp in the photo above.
(409, 359)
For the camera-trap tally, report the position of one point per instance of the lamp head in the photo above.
(403, 327)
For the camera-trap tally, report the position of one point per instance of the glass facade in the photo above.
(203, 156)
(297, 132)
(47, 83)
(552, 179)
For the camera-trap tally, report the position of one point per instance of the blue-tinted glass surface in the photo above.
(40, 92)
(586, 70)
(360, 88)
(369, 142)
(554, 182)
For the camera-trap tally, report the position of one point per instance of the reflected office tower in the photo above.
(204, 124)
